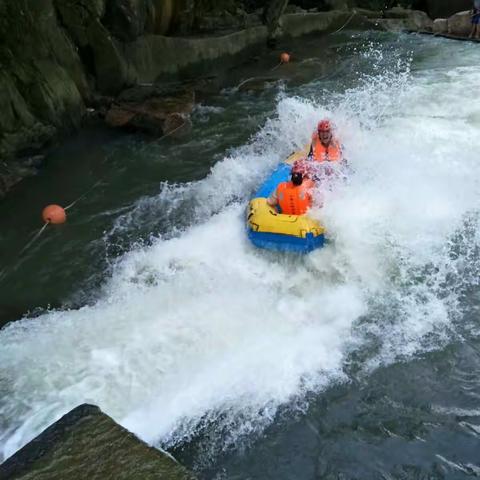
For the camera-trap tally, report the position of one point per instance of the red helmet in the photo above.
(324, 126)
(299, 167)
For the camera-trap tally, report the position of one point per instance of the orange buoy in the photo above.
(284, 57)
(54, 214)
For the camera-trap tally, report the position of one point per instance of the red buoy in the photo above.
(284, 57)
(54, 214)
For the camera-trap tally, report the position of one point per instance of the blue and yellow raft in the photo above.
(267, 228)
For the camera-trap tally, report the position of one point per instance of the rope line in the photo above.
(83, 194)
(172, 131)
(8, 268)
(241, 84)
(345, 24)
(30, 243)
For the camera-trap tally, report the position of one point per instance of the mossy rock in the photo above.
(86, 444)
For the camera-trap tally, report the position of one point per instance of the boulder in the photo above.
(398, 19)
(146, 110)
(460, 24)
(440, 26)
(86, 444)
(419, 21)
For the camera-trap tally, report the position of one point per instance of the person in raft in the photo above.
(475, 13)
(324, 147)
(293, 197)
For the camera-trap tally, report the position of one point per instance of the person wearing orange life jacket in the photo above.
(293, 197)
(324, 148)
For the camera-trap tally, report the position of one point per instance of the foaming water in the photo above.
(199, 330)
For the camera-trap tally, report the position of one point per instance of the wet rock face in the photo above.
(99, 52)
(128, 19)
(86, 444)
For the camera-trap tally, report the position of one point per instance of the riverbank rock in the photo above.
(460, 24)
(440, 26)
(145, 109)
(86, 444)
(418, 20)
(398, 19)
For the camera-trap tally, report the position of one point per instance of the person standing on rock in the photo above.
(475, 33)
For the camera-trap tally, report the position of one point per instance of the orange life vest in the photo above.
(332, 153)
(294, 199)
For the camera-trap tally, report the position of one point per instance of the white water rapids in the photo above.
(203, 329)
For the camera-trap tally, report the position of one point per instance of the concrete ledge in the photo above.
(86, 444)
(152, 57)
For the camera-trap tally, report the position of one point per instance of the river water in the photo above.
(359, 360)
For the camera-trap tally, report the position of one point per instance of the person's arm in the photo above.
(272, 200)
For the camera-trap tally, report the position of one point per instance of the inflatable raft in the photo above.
(270, 229)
